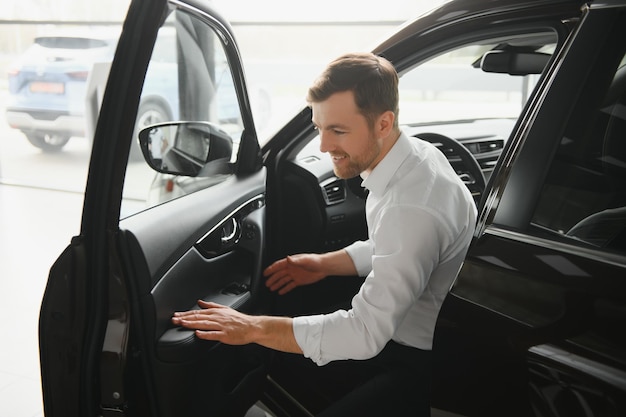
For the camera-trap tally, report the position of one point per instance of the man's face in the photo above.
(346, 135)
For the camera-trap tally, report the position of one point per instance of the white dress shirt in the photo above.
(420, 219)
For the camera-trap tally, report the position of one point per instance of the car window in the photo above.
(583, 199)
(453, 87)
(188, 79)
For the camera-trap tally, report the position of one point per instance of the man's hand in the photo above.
(293, 271)
(219, 323)
(224, 324)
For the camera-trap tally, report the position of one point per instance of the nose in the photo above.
(325, 142)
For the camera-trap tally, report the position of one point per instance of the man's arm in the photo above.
(226, 325)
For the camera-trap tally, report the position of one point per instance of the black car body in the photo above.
(532, 326)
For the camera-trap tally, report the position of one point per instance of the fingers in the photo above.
(194, 322)
(282, 265)
(278, 280)
(203, 330)
(209, 304)
(195, 316)
(283, 284)
(215, 322)
(281, 275)
(276, 266)
(210, 335)
(187, 314)
(204, 322)
(288, 287)
(191, 318)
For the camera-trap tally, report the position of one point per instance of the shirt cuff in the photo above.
(308, 333)
(361, 254)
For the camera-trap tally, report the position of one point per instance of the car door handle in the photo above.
(222, 239)
(230, 232)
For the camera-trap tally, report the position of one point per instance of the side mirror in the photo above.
(192, 149)
(514, 62)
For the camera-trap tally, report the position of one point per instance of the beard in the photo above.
(348, 166)
(349, 170)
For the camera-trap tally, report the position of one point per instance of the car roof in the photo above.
(459, 10)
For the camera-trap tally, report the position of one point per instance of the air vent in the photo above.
(334, 191)
(484, 146)
(310, 159)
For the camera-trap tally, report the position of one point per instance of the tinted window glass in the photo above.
(584, 196)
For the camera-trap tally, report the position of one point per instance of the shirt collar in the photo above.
(377, 180)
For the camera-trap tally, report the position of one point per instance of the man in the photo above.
(420, 220)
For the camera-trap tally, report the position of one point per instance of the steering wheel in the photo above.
(468, 167)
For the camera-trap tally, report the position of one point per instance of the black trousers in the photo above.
(395, 383)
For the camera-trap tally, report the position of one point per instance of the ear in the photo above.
(384, 126)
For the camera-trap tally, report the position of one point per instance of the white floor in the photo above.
(35, 226)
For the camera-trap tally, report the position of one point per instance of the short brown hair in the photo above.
(372, 79)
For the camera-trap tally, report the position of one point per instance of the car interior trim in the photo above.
(585, 252)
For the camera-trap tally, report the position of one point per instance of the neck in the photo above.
(387, 143)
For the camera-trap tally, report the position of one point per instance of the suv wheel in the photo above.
(48, 142)
(149, 113)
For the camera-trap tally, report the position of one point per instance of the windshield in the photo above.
(453, 87)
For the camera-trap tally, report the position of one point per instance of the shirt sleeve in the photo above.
(361, 254)
(407, 249)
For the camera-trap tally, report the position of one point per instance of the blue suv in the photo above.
(55, 87)
(47, 86)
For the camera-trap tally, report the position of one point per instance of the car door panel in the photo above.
(186, 220)
(177, 254)
(227, 279)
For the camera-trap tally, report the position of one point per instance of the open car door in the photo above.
(106, 342)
